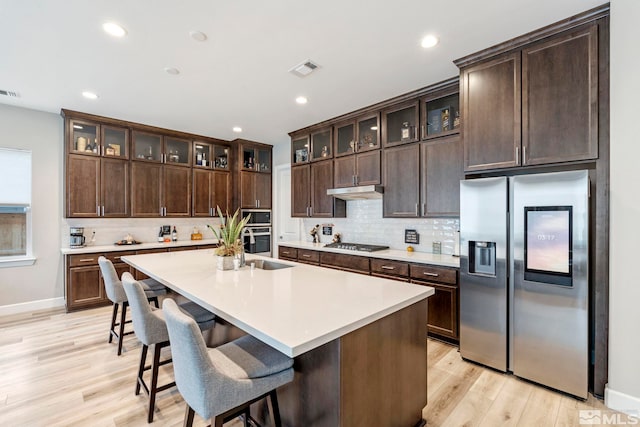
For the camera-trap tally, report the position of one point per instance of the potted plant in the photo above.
(229, 238)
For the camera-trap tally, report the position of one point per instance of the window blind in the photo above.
(15, 177)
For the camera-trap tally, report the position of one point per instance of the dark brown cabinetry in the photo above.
(309, 191)
(285, 252)
(160, 190)
(443, 317)
(308, 257)
(400, 124)
(388, 269)
(357, 154)
(533, 106)
(357, 169)
(255, 190)
(423, 179)
(211, 189)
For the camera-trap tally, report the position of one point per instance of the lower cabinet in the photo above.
(443, 317)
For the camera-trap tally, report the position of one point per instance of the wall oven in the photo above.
(257, 240)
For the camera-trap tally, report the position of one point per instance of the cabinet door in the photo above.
(344, 171)
(114, 188)
(401, 181)
(263, 190)
(248, 190)
(176, 191)
(202, 191)
(145, 189)
(300, 191)
(442, 170)
(560, 99)
(491, 114)
(368, 168)
(221, 192)
(84, 287)
(321, 181)
(83, 186)
(442, 313)
(400, 124)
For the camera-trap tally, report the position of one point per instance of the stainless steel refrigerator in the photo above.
(524, 276)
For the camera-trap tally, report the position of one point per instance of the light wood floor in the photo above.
(57, 369)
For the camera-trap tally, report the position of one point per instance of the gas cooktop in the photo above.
(356, 247)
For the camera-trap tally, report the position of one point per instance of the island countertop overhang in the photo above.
(292, 309)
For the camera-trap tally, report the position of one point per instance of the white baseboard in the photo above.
(25, 307)
(621, 402)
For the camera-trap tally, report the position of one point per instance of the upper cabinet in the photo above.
(253, 179)
(400, 124)
(321, 145)
(440, 115)
(534, 105)
(96, 139)
(256, 158)
(158, 148)
(356, 136)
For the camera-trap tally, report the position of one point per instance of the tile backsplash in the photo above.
(365, 224)
(111, 230)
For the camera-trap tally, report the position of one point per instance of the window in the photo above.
(15, 208)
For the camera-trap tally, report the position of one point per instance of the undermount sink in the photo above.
(268, 265)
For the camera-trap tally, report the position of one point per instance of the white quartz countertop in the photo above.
(294, 310)
(153, 245)
(392, 254)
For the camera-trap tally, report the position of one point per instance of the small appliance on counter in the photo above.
(356, 246)
(76, 237)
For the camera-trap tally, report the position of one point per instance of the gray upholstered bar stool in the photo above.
(116, 294)
(220, 383)
(151, 329)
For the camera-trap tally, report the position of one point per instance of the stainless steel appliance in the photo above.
(259, 217)
(356, 247)
(524, 276)
(76, 237)
(257, 240)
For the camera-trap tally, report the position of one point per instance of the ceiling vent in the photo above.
(9, 93)
(304, 69)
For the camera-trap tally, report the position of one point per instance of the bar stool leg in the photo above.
(188, 417)
(143, 360)
(112, 330)
(154, 380)
(123, 318)
(275, 410)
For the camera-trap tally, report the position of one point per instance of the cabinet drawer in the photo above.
(436, 274)
(114, 257)
(356, 264)
(309, 257)
(83, 260)
(386, 267)
(287, 253)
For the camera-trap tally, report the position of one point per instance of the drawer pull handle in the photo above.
(306, 255)
(387, 267)
(285, 252)
(426, 273)
(87, 259)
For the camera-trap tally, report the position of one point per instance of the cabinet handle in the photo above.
(306, 255)
(422, 131)
(524, 154)
(356, 179)
(424, 209)
(102, 210)
(160, 210)
(353, 179)
(285, 252)
(87, 259)
(387, 267)
(116, 257)
(98, 210)
(426, 273)
(417, 212)
(517, 155)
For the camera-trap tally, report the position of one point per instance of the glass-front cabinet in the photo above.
(356, 136)
(210, 156)
(220, 157)
(321, 145)
(440, 116)
(256, 159)
(300, 150)
(400, 124)
(161, 149)
(98, 140)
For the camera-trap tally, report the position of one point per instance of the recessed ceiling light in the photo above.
(198, 35)
(114, 29)
(89, 95)
(237, 129)
(171, 70)
(301, 100)
(429, 41)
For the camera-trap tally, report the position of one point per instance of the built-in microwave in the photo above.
(259, 217)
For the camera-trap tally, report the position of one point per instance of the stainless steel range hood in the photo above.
(357, 193)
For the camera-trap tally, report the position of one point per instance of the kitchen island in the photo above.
(359, 342)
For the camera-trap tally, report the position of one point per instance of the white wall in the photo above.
(42, 133)
(624, 309)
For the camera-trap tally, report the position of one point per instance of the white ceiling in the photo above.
(368, 50)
